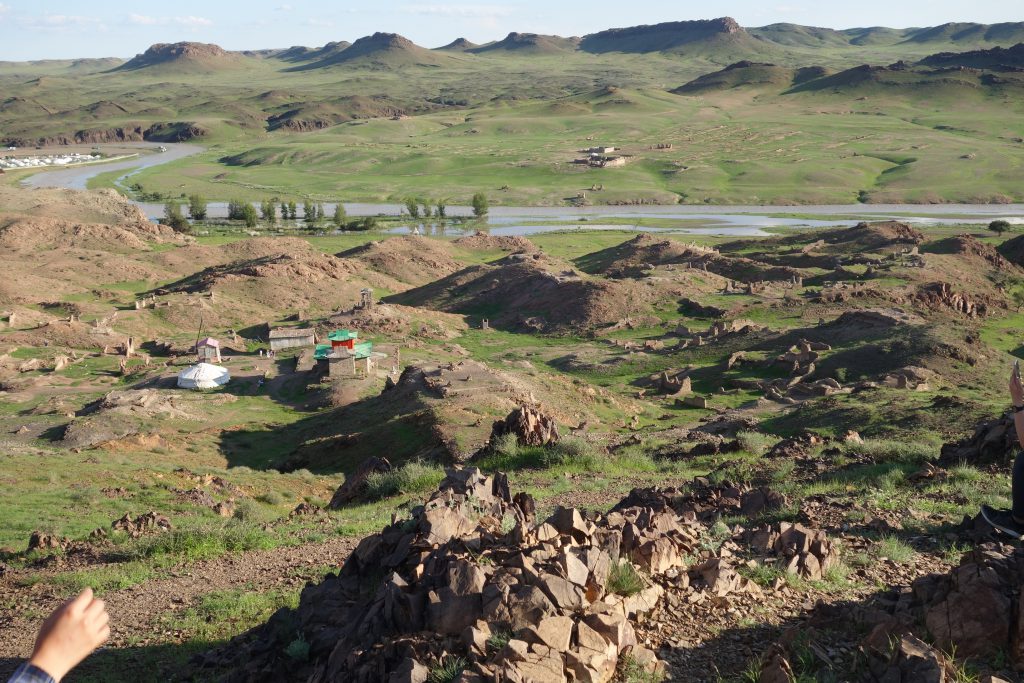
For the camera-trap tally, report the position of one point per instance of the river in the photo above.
(504, 220)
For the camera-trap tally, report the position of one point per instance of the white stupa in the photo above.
(203, 376)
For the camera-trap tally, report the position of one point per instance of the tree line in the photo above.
(313, 213)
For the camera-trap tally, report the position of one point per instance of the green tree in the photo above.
(426, 207)
(480, 205)
(249, 215)
(293, 210)
(196, 207)
(174, 218)
(442, 208)
(999, 227)
(320, 214)
(413, 207)
(268, 212)
(339, 214)
(236, 209)
(309, 212)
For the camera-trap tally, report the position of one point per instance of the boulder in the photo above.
(531, 427)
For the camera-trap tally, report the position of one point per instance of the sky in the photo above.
(63, 29)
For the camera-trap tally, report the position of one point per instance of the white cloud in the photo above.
(144, 20)
(192, 21)
(323, 23)
(461, 11)
(4, 8)
(283, 8)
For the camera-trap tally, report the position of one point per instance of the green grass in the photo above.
(624, 579)
(411, 478)
(894, 549)
(447, 670)
(204, 541)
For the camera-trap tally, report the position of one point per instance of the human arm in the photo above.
(68, 636)
(1017, 396)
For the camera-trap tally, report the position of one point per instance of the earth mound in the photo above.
(482, 241)
(435, 413)
(182, 56)
(409, 259)
(530, 291)
(1013, 250)
(873, 237)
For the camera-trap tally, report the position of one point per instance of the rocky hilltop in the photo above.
(197, 56)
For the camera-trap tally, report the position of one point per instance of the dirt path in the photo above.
(136, 612)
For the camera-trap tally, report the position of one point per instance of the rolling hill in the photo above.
(381, 50)
(183, 58)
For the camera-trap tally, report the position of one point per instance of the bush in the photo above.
(755, 443)
(270, 498)
(412, 477)
(573, 452)
(506, 445)
(298, 649)
(624, 580)
(449, 669)
(205, 541)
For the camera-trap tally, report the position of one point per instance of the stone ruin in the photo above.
(473, 577)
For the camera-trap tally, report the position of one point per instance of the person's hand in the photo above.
(70, 634)
(1016, 387)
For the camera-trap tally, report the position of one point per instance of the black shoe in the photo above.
(1003, 521)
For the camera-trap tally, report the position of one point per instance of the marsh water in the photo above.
(512, 221)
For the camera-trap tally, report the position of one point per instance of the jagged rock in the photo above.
(142, 524)
(754, 503)
(441, 582)
(225, 508)
(531, 427)
(993, 441)
(409, 671)
(808, 552)
(42, 541)
(775, 667)
(354, 485)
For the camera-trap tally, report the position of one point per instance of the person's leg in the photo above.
(1018, 488)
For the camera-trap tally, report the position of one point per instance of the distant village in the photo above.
(46, 160)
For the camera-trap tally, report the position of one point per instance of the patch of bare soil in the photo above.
(482, 241)
(136, 613)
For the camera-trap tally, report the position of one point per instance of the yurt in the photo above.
(203, 376)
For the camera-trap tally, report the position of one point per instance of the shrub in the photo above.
(271, 497)
(412, 477)
(572, 451)
(624, 579)
(999, 226)
(895, 549)
(447, 670)
(755, 443)
(506, 445)
(205, 541)
(298, 649)
(880, 450)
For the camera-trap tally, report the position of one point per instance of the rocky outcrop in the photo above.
(471, 574)
(993, 441)
(531, 427)
(180, 131)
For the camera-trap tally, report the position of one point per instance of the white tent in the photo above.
(203, 376)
